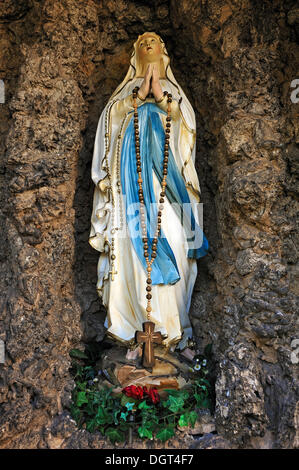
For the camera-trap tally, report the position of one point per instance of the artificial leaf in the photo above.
(81, 386)
(114, 435)
(91, 425)
(124, 416)
(184, 420)
(90, 408)
(144, 406)
(193, 418)
(78, 354)
(81, 398)
(145, 432)
(165, 434)
(175, 404)
(103, 417)
(178, 393)
(125, 400)
(115, 413)
(75, 412)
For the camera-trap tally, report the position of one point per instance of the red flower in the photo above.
(134, 392)
(154, 395)
(139, 393)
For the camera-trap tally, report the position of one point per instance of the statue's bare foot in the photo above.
(133, 355)
(188, 353)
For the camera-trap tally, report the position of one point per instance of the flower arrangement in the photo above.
(135, 410)
(139, 393)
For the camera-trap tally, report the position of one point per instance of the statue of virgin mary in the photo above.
(114, 221)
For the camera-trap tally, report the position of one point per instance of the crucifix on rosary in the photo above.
(112, 272)
(148, 337)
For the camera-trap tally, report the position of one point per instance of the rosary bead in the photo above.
(113, 256)
(140, 191)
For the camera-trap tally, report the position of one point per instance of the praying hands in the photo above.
(151, 83)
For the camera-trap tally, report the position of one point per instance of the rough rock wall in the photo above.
(60, 61)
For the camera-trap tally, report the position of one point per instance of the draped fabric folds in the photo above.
(152, 138)
(175, 267)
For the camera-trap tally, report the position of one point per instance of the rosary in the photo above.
(149, 336)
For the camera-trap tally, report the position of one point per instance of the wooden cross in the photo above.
(148, 337)
(112, 272)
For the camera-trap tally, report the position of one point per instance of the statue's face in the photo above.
(149, 49)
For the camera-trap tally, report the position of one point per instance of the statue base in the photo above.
(169, 372)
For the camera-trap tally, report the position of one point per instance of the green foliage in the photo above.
(115, 435)
(165, 434)
(78, 354)
(97, 409)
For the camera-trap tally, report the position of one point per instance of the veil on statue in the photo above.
(169, 84)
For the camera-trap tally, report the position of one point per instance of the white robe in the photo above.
(124, 297)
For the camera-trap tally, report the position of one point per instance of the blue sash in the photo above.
(152, 138)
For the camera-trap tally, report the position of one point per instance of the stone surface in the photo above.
(60, 61)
